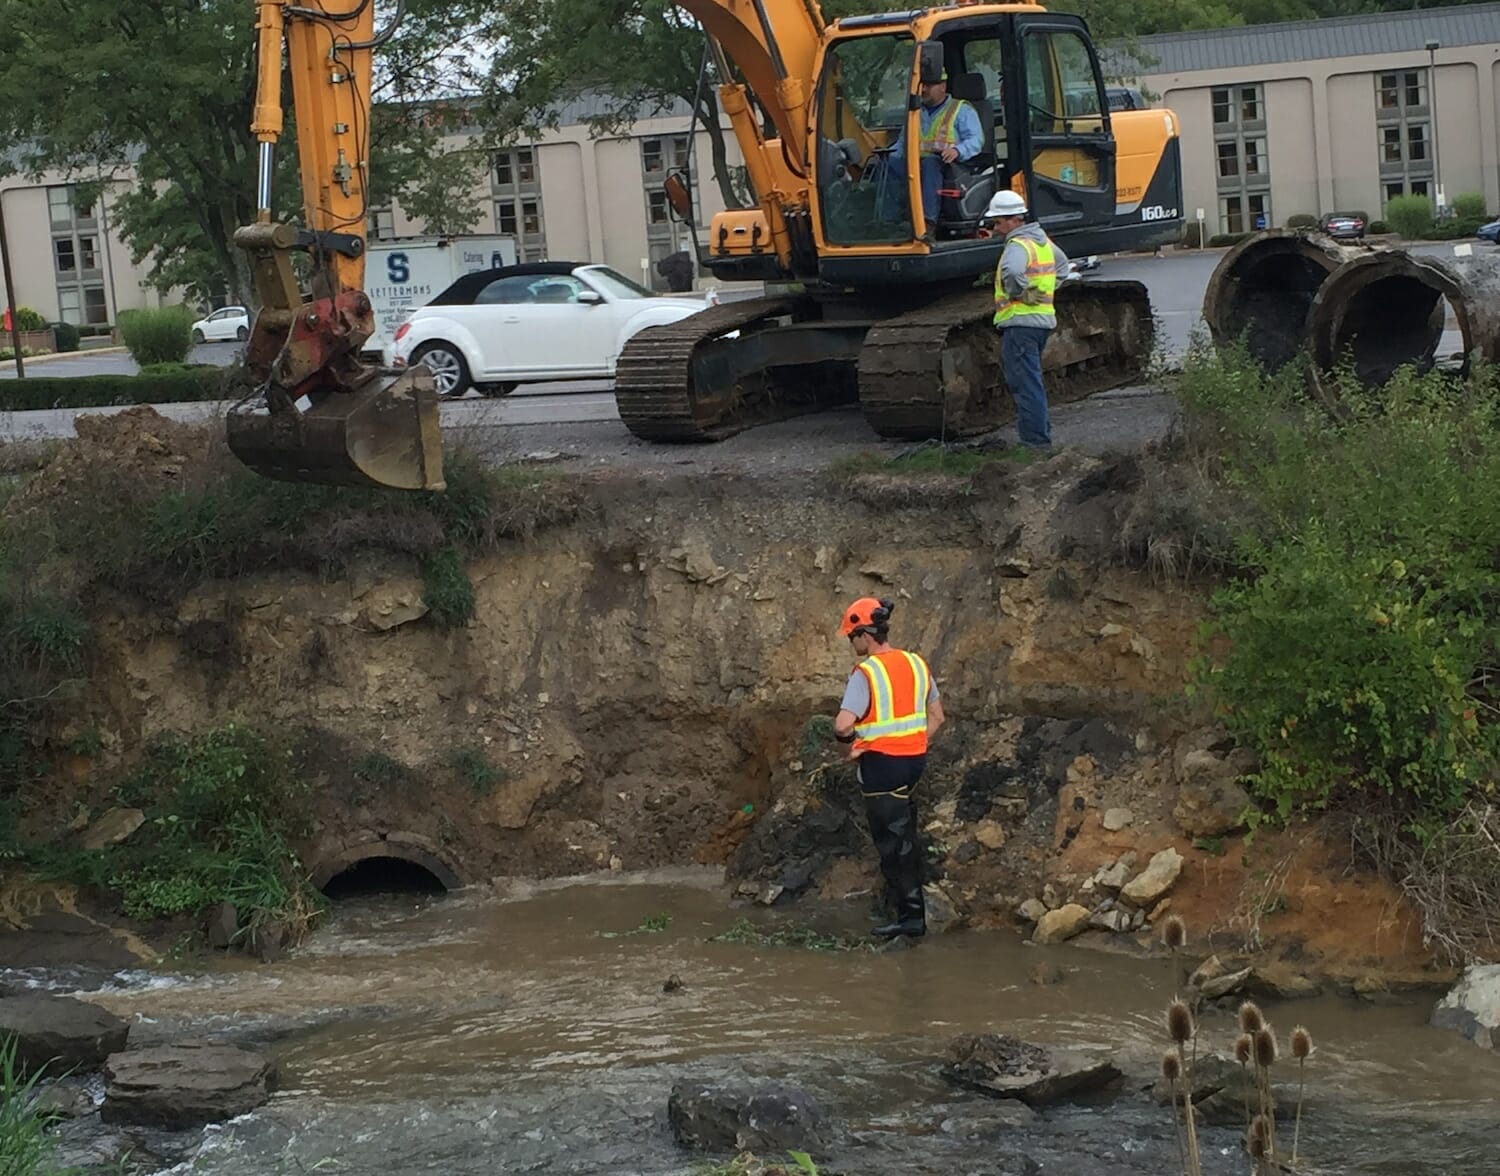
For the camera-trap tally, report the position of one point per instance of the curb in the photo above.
(54, 356)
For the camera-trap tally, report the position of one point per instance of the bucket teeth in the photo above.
(386, 435)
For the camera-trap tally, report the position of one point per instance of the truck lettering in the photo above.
(398, 267)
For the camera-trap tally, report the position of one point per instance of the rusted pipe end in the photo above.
(1264, 287)
(1389, 310)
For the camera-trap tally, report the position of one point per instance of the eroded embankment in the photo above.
(635, 685)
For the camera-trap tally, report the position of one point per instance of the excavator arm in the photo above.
(317, 412)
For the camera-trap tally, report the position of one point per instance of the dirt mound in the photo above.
(136, 447)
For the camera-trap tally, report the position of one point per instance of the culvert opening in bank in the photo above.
(382, 874)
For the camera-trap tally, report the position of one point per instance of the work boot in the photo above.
(911, 918)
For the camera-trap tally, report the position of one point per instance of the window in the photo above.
(1401, 89)
(507, 219)
(1222, 112)
(67, 260)
(60, 206)
(651, 156)
(70, 303)
(1416, 141)
(505, 172)
(506, 290)
(531, 217)
(88, 258)
(1390, 144)
(1419, 188)
(95, 310)
(525, 166)
(657, 208)
(517, 191)
(1243, 153)
(1394, 190)
(1229, 159)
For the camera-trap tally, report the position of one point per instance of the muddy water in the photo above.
(522, 1033)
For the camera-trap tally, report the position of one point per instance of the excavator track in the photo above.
(688, 382)
(936, 372)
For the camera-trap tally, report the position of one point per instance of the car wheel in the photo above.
(242, 334)
(197, 336)
(503, 388)
(449, 371)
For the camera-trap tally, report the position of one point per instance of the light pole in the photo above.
(10, 293)
(1437, 170)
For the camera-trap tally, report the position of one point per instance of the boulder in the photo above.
(1063, 923)
(1210, 805)
(989, 834)
(1116, 819)
(180, 1086)
(1114, 877)
(1280, 982)
(1147, 887)
(112, 828)
(1218, 986)
(1114, 920)
(1045, 974)
(774, 1117)
(1221, 1089)
(1032, 910)
(989, 1121)
(223, 924)
(55, 1034)
(1472, 1007)
(1007, 1067)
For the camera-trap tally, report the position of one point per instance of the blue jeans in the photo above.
(1021, 354)
(892, 190)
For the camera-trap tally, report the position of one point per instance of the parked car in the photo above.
(1489, 232)
(1345, 225)
(547, 321)
(233, 322)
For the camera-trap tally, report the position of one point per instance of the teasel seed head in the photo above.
(1179, 1022)
(1265, 1047)
(1244, 1049)
(1250, 1017)
(1174, 933)
(1301, 1043)
(1257, 1138)
(1171, 1066)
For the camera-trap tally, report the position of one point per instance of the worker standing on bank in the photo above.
(1025, 285)
(889, 712)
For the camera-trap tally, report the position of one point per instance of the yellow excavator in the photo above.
(880, 302)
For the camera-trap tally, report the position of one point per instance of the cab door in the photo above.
(1067, 144)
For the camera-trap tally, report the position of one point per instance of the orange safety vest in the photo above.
(896, 721)
(942, 131)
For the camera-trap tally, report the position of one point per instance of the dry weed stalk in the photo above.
(1182, 1028)
(1301, 1050)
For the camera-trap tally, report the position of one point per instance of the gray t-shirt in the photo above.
(857, 694)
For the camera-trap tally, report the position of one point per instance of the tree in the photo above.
(94, 87)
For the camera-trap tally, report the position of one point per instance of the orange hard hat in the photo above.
(866, 614)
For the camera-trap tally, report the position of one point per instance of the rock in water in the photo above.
(768, 1118)
(1007, 1067)
(1473, 1006)
(1063, 923)
(179, 1086)
(58, 1033)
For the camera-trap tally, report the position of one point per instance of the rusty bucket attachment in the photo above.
(384, 434)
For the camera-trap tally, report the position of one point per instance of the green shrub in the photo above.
(163, 335)
(1411, 216)
(1379, 227)
(26, 1149)
(1301, 220)
(447, 590)
(1453, 229)
(1219, 239)
(67, 336)
(176, 386)
(27, 319)
(474, 768)
(1470, 206)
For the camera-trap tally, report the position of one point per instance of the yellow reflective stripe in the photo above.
(911, 725)
(1041, 276)
(939, 132)
(884, 721)
(920, 680)
(881, 704)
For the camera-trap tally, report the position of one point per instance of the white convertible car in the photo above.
(522, 324)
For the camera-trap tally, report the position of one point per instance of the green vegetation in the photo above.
(171, 386)
(1470, 206)
(1353, 649)
(446, 589)
(1411, 216)
(650, 925)
(163, 335)
(27, 319)
(958, 461)
(474, 768)
(25, 1148)
(67, 336)
(220, 809)
(748, 1164)
(746, 931)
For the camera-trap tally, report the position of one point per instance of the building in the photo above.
(1333, 115)
(1307, 117)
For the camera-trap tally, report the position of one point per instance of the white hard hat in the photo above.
(1005, 203)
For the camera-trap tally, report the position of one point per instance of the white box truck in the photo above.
(405, 273)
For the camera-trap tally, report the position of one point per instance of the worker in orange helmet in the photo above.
(889, 712)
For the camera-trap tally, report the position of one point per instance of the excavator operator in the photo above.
(950, 133)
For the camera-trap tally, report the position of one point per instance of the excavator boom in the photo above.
(316, 412)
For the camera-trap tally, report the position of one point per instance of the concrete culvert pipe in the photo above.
(1389, 310)
(1264, 287)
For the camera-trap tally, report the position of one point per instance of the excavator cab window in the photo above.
(861, 168)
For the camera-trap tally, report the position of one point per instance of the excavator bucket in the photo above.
(384, 434)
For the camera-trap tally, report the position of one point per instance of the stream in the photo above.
(528, 1032)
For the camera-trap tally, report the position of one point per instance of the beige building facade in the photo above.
(1310, 117)
(1338, 115)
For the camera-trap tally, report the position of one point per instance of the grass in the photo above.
(650, 925)
(25, 1147)
(473, 767)
(747, 1164)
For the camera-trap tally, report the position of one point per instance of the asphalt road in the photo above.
(578, 419)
